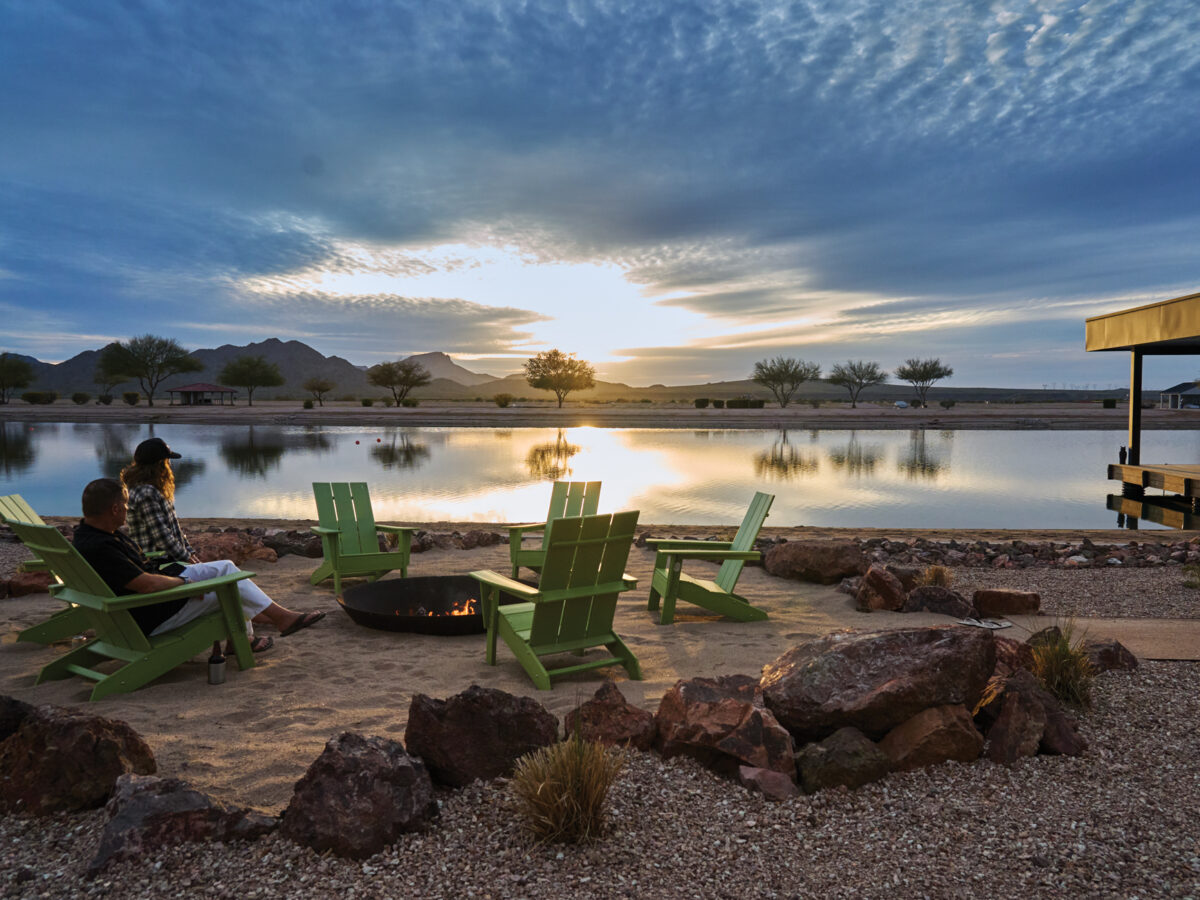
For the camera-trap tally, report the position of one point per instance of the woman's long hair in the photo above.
(158, 474)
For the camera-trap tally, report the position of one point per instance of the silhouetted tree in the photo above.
(148, 360)
(399, 377)
(14, 373)
(319, 387)
(251, 372)
(921, 374)
(857, 375)
(553, 370)
(783, 376)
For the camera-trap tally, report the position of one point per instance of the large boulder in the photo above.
(479, 733)
(608, 718)
(358, 796)
(718, 722)
(147, 812)
(12, 713)
(933, 736)
(59, 760)
(1017, 730)
(941, 600)
(297, 543)
(847, 758)
(824, 562)
(880, 589)
(1012, 655)
(1105, 655)
(876, 680)
(22, 583)
(995, 602)
(235, 546)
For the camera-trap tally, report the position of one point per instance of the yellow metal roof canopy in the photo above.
(1167, 328)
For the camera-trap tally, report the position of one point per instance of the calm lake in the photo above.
(936, 479)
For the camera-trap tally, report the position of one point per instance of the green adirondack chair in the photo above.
(118, 636)
(567, 498)
(670, 583)
(572, 608)
(65, 622)
(348, 538)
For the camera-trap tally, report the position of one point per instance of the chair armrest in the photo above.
(629, 581)
(398, 529)
(130, 601)
(532, 526)
(712, 554)
(504, 583)
(317, 529)
(33, 565)
(667, 543)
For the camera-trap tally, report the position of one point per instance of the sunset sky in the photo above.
(673, 190)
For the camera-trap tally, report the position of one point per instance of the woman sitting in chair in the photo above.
(151, 485)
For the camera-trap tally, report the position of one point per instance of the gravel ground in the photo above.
(1118, 822)
(1145, 593)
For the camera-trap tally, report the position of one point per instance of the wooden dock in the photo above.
(1181, 480)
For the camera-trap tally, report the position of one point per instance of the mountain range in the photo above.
(298, 362)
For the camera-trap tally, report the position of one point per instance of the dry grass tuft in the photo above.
(561, 789)
(1191, 576)
(936, 576)
(1063, 667)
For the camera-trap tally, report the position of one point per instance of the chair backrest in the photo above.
(346, 506)
(14, 508)
(573, 498)
(63, 560)
(581, 552)
(747, 534)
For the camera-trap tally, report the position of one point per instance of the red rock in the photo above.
(771, 784)
(823, 562)
(235, 546)
(717, 726)
(880, 589)
(1007, 603)
(479, 733)
(59, 760)
(358, 796)
(1018, 729)
(876, 680)
(933, 736)
(1106, 655)
(147, 813)
(608, 718)
(1011, 655)
(847, 758)
(1060, 735)
(934, 599)
(23, 583)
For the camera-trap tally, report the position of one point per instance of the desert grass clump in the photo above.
(935, 576)
(1064, 669)
(561, 789)
(1191, 576)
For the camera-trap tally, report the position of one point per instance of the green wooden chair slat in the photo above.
(118, 636)
(348, 535)
(567, 500)
(64, 623)
(573, 607)
(670, 584)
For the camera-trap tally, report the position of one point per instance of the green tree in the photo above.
(399, 377)
(148, 359)
(319, 387)
(15, 373)
(251, 372)
(857, 375)
(921, 374)
(553, 370)
(783, 376)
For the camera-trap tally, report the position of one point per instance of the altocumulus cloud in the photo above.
(872, 178)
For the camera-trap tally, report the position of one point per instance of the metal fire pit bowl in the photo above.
(404, 604)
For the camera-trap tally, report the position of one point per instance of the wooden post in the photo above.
(1135, 408)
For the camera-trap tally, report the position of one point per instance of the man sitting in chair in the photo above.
(126, 570)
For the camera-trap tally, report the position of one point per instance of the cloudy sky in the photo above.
(673, 190)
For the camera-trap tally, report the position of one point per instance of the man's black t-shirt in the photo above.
(118, 560)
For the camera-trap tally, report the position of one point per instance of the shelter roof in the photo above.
(1184, 387)
(201, 386)
(1166, 328)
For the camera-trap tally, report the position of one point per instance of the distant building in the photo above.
(1185, 395)
(201, 394)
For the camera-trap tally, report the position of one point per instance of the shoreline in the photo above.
(471, 414)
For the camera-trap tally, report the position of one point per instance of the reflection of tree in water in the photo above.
(784, 461)
(17, 452)
(400, 453)
(922, 461)
(856, 458)
(254, 453)
(550, 460)
(114, 448)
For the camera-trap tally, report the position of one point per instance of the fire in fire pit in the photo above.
(429, 604)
